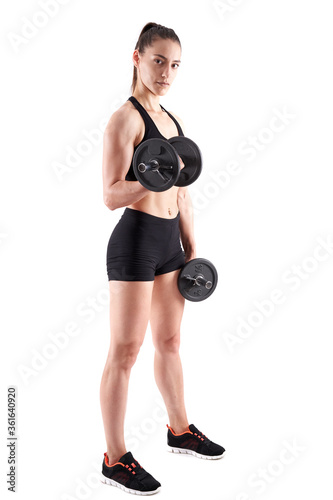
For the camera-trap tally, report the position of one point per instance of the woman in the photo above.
(144, 256)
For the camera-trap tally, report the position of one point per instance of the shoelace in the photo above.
(134, 467)
(141, 472)
(137, 463)
(202, 436)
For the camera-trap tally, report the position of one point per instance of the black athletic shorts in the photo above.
(143, 246)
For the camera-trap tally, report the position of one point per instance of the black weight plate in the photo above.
(161, 151)
(191, 156)
(193, 268)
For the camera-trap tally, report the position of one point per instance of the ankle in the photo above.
(114, 457)
(179, 428)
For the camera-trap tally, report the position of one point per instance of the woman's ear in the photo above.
(136, 58)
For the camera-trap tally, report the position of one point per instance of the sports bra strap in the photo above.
(148, 119)
(180, 132)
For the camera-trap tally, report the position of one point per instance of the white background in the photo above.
(241, 61)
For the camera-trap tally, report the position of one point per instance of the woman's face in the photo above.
(157, 66)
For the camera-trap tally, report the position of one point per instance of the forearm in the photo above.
(123, 193)
(186, 224)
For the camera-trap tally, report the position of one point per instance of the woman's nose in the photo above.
(166, 72)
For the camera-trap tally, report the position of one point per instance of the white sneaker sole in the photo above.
(171, 449)
(111, 482)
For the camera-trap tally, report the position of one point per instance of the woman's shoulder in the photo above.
(125, 119)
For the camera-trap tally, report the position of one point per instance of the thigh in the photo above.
(130, 303)
(167, 308)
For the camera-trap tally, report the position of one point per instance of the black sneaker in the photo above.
(128, 475)
(194, 443)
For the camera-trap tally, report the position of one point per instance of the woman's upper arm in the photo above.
(118, 146)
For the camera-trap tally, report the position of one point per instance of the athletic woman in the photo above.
(151, 242)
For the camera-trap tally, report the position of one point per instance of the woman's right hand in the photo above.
(182, 164)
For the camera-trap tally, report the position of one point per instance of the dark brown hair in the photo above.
(149, 33)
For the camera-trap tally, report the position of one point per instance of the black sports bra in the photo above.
(151, 131)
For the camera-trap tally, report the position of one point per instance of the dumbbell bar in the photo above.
(156, 163)
(197, 280)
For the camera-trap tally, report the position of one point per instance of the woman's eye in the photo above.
(159, 61)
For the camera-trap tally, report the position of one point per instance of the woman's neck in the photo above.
(148, 100)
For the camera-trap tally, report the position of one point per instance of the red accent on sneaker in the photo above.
(173, 432)
(107, 461)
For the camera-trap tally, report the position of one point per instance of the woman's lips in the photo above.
(163, 84)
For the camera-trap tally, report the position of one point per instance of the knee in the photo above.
(124, 355)
(168, 345)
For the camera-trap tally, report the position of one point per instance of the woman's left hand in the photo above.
(189, 255)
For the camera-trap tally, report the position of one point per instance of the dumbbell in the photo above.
(197, 280)
(156, 163)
